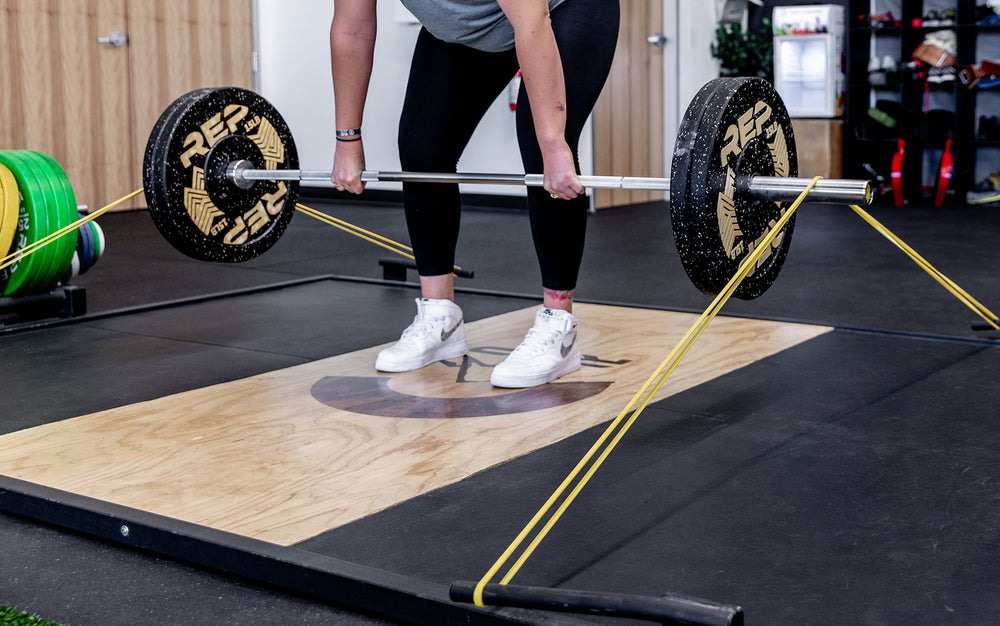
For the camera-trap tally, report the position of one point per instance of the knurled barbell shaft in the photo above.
(771, 188)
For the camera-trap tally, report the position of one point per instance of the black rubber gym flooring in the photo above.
(851, 479)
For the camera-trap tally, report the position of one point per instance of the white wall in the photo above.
(293, 45)
(687, 62)
(697, 22)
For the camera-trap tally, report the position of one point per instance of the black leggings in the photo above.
(450, 88)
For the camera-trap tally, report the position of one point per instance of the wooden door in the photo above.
(180, 45)
(92, 105)
(63, 93)
(628, 119)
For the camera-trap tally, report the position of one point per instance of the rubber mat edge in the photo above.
(343, 583)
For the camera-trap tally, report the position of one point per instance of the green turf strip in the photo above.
(13, 617)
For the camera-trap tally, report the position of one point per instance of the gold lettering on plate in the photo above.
(200, 207)
(752, 123)
(269, 143)
(729, 226)
(256, 218)
(217, 126)
(237, 234)
(273, 202)
(195, 144)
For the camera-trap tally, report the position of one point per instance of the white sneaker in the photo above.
(548, 351)
(437, 333)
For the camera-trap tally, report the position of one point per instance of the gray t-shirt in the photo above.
(479, 24)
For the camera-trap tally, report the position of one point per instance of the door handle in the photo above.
(117, 39)
(657, 39)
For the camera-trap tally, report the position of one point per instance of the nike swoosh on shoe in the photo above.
(565, 350)
(446, 334)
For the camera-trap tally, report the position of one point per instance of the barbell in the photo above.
(221, 179)
(773, 188)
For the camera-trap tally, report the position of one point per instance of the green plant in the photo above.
(13, 617)
(745, 53)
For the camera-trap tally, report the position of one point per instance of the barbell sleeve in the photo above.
(828, 190)
(770, 188)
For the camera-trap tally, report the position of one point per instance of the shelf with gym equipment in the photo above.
(927, 105)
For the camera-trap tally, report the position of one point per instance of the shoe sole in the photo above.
(521, 382)
(454, 352)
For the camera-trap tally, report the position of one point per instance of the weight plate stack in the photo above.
(155, 152)
(99, 243)
(85, 247)
(81, 253)
(73, 270)
(65, 209)
(9, 206)
(51, 268)
(32, 224)
(686, 161)
(732, 130)
(191, 202)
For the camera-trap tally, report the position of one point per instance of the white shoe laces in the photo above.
(422, 326)
(537, 341)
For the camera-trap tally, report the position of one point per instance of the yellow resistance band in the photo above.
(347, 227)
(653, 385)
(946, 282)
(14, 257)
(368, 236)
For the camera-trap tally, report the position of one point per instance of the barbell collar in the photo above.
(770, 188)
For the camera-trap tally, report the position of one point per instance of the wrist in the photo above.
(552, 144)
(351, 149)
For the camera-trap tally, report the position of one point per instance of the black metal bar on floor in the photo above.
(395, 269)
(666, 609)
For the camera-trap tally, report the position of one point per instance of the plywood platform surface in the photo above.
(290, 454)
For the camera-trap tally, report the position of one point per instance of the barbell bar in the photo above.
(769, 188)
